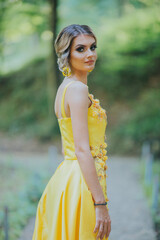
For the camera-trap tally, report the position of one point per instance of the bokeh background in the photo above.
(126, 80)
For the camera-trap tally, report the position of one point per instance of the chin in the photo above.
(90, 69)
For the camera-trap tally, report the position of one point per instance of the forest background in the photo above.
(126, 78)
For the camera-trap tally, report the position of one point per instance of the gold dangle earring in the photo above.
(90, 70)
(66, 72)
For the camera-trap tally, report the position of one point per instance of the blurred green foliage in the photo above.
(148, 191)
(143, 123)
(22, 206)
(24, 102)
(24, 32)
(129, 53)
(127, 69)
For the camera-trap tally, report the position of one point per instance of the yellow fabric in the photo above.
(66, 209)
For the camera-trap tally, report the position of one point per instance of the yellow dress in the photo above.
(66, 209)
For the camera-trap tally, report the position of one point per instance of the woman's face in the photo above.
(83, 49)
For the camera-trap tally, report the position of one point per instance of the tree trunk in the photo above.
(53, 80)
(54, 23)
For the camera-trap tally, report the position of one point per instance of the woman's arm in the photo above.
(78, 103)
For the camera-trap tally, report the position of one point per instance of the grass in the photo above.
(22, 181)
(148, 190)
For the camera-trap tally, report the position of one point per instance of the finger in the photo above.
(105, 230)
(96, 227)
(108, 229)
(100, 230)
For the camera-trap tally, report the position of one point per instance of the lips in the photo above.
(91, 61)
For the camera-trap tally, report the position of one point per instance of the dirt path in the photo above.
(28, 231)
(129, 210)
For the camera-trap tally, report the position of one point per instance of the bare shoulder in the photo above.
(77, 90)
(76, 85)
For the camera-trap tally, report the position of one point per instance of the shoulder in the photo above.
(78, 93)
(78, 89)
(78, 86)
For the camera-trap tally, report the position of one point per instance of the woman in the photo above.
(73, 205)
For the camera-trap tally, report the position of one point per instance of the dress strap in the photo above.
(62, 101)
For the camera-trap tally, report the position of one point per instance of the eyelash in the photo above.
(78, 49)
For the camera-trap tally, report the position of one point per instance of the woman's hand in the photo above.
(103, 222)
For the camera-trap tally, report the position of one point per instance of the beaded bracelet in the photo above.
(95, 204)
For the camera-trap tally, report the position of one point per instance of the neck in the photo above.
(80, 76)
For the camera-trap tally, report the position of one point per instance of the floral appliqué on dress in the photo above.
(99, 152)
(97, 109)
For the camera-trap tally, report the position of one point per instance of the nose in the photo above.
(89, 52)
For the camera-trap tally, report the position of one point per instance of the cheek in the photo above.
(77, 57)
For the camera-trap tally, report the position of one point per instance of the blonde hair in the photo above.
(64, 40)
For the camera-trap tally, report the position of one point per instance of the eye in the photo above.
(79, 49)
(94, 47)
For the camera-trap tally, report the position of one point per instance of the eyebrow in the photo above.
(83, 45)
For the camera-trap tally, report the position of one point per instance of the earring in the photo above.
(66, 72)
(90, 70)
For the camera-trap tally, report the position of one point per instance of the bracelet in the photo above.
(95, 204)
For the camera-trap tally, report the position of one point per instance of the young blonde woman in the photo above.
(73, 205)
